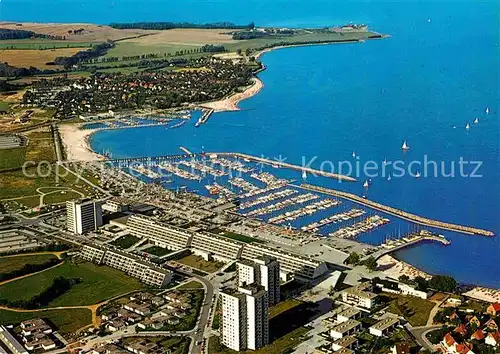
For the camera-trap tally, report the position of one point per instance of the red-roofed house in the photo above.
(492, 325)
(450, 346)
(475, 320)
(477, 335)
(493, 309)
(493, 339)
(461, 329)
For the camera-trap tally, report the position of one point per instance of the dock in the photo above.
(185, 150)
(204, 117)
(399, 213)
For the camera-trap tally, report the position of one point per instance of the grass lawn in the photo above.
(10, 264)
(415, 310)
(283, 306)
(157, 251)
(98, 284)
(12, 158)
(59, 197)
(66, 321)
(198, 262)
(125, 242)
(191, 285)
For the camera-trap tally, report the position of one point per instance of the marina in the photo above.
(268, 198)
(307, 210)
(366, 225)
(300, 199)
(345, 216)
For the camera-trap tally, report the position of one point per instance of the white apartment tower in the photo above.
(83, 215)
(265, 271)
(245, 322)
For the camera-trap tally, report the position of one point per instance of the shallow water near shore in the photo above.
(328, 101)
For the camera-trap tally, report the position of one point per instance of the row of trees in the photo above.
(6, 34)
(94, 52)
(172, 25)
(59, 286)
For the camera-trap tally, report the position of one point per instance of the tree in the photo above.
(238, 51)
(404, 279)
(352, 259)
(443, 283)
(371, 263)
(421, 283)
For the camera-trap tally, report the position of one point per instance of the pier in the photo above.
(185, 150)
(204, 117)
(399, 213)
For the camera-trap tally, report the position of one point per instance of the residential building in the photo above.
(162, 235)
(146, 272)
(401, 348)
(493, 339)
(263, 271)
(347, 342)
(10, 342)
(291, 264)
(115, 205)
(384, 326)
(245, 323)
(359, 296)
(83, 215)
(31, 327)
(450, 346)
(351, 313)
(493, 309)
(345, 329)
(218, 247)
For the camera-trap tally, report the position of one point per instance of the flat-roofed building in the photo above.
(146, 272)
(345, 329)
(350, 313)
(10, 342)
(233, 323)
(264, 271)
(83, 215)
(162, 235)
(347, 342)
(344, 351)
(384, 326)
(221, 248)
(359, 296)
(291, 264)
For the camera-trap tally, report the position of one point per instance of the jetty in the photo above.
(204, 117)
(185, 150)
(399, 213)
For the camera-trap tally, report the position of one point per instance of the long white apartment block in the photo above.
(221, 248)
(290, 264)
(146, 272)
(162, 235)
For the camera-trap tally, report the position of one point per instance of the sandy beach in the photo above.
(484, 294)
(231, 103)
(395, 268)
(75, 141)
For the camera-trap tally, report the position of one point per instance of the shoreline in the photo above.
(76, 143)
(230, 104)
(395, 268)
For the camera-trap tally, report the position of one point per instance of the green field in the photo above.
(98, 284)
(125, 242)
(11, 264)
(131, 49)
(198, 262)
(66, 321)
(283, 306)
(12, 158)
(414, 309)
(191, 285)
(60, 197)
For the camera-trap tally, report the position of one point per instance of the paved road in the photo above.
(420, 335)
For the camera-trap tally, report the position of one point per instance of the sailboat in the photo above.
(467, 126)
(353, 154)
(417, 175)
(487, 110)
(366, 185)
(304, 175)
(389, 178)
(476, 120)
(405, 146)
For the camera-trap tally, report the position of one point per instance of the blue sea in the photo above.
(437, 71)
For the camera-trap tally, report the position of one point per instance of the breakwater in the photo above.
(399, 213)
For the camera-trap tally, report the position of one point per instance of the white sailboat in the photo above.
(405, 146)
(353, 154)
(385, 161)
(417, 175)
(487, 110)
(467, 126)
(389, 178)
(476, 120)
(366, 185)
(304, 175)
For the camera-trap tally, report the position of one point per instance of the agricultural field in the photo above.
(25, 58)
(41, 44)
(12, 158)
(66, 321)
(98, 283)
(11, 264)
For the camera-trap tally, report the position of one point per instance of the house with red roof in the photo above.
(493, 339)
(461, 329)
(492, 325)
(450, 346)
(478, 335)
(474, 320)
(493, 309)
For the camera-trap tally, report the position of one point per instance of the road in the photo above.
(420, 335)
